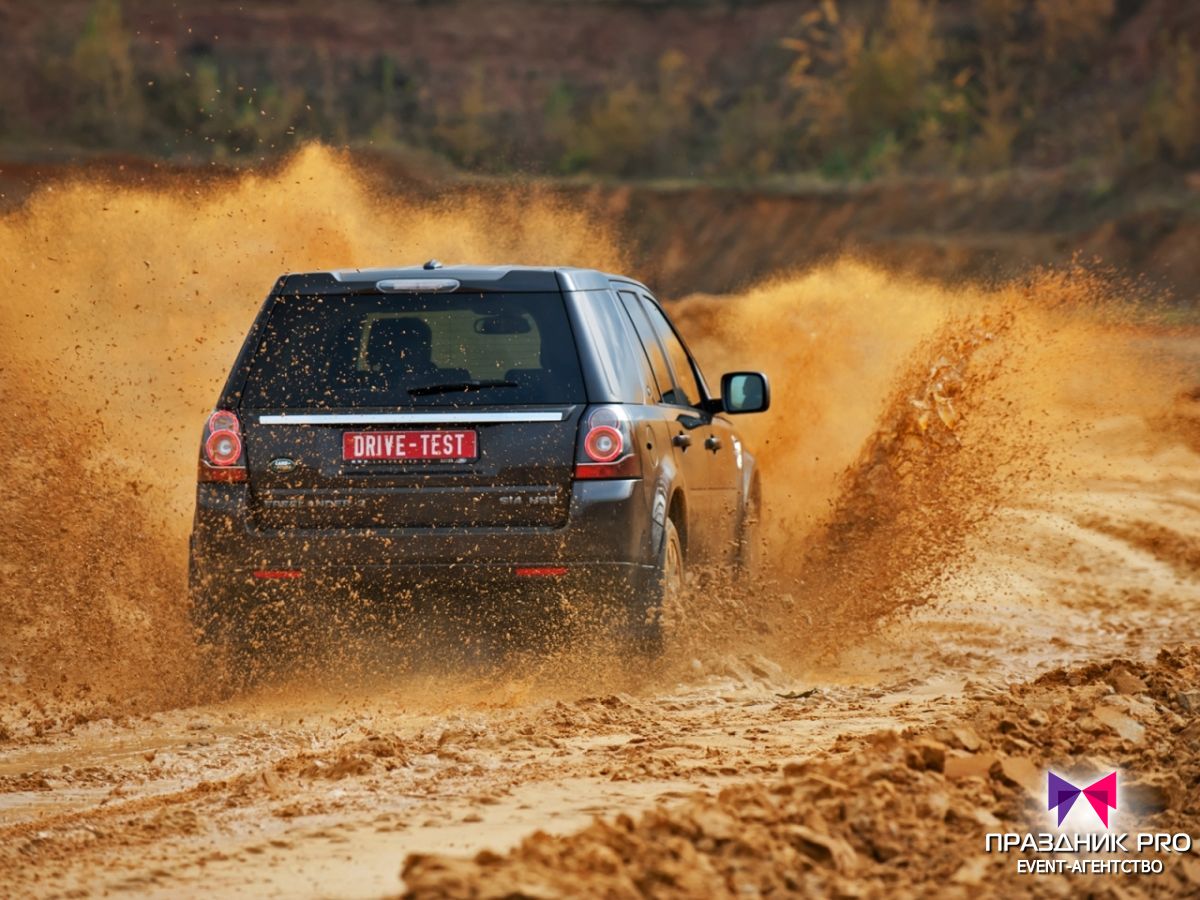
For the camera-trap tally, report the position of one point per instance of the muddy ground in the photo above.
(981, 560)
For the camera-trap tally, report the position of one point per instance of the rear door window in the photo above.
(687, 386)
(653, 349)
(411, 350)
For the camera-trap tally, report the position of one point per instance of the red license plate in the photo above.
(403, 446)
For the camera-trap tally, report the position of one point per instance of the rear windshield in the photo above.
(406, 350)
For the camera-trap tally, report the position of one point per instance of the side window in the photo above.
(650, 344)
(621, 358)
(685, 376)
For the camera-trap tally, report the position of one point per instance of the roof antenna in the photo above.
(432, 264)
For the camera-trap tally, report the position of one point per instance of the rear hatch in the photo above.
(413, 410)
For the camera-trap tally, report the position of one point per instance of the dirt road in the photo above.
(298, 791)
(970, 489)
(294, 790)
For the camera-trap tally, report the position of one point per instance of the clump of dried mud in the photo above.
(896, 815)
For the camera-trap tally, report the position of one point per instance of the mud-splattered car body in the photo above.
(392, 430)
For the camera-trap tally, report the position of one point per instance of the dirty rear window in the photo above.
(411, 350)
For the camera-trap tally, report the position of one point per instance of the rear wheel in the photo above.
(233, 632)
(230, 656)
(749, 549)
(663, 590)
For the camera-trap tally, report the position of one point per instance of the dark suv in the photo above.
(461, 429)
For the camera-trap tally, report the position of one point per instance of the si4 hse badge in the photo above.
(282, 465)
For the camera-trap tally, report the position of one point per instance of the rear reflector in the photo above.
(629, 467)
(278, 573)
(209, 473)
(541, 571)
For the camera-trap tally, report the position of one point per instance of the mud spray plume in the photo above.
(900, 406)
(125, 307)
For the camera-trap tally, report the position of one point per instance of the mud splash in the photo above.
(913, 413)
(124, 310)
(902, 408)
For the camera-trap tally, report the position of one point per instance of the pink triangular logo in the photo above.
(1102, 795)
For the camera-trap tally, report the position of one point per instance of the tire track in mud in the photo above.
(901, 815)
(429, 779)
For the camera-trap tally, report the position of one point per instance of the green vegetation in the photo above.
(856, 90)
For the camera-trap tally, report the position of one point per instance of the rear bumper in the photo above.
(608, 536)
(237, 609)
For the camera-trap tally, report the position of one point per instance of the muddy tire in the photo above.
(663, 589)
(235, 659)
(748, 565)
(225, 636)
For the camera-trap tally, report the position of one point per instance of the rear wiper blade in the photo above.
(451, 387)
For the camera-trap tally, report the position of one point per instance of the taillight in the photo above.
(223, 448)
(606, 448)
(603, 444)
(223, 420)
(222, 457)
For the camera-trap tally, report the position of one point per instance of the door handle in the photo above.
(682, 441)
(713, 443)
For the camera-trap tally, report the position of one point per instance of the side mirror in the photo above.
(745, 392)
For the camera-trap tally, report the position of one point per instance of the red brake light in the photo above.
(223, 447)
(222, 458)
(606, 446)
(603, 444)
